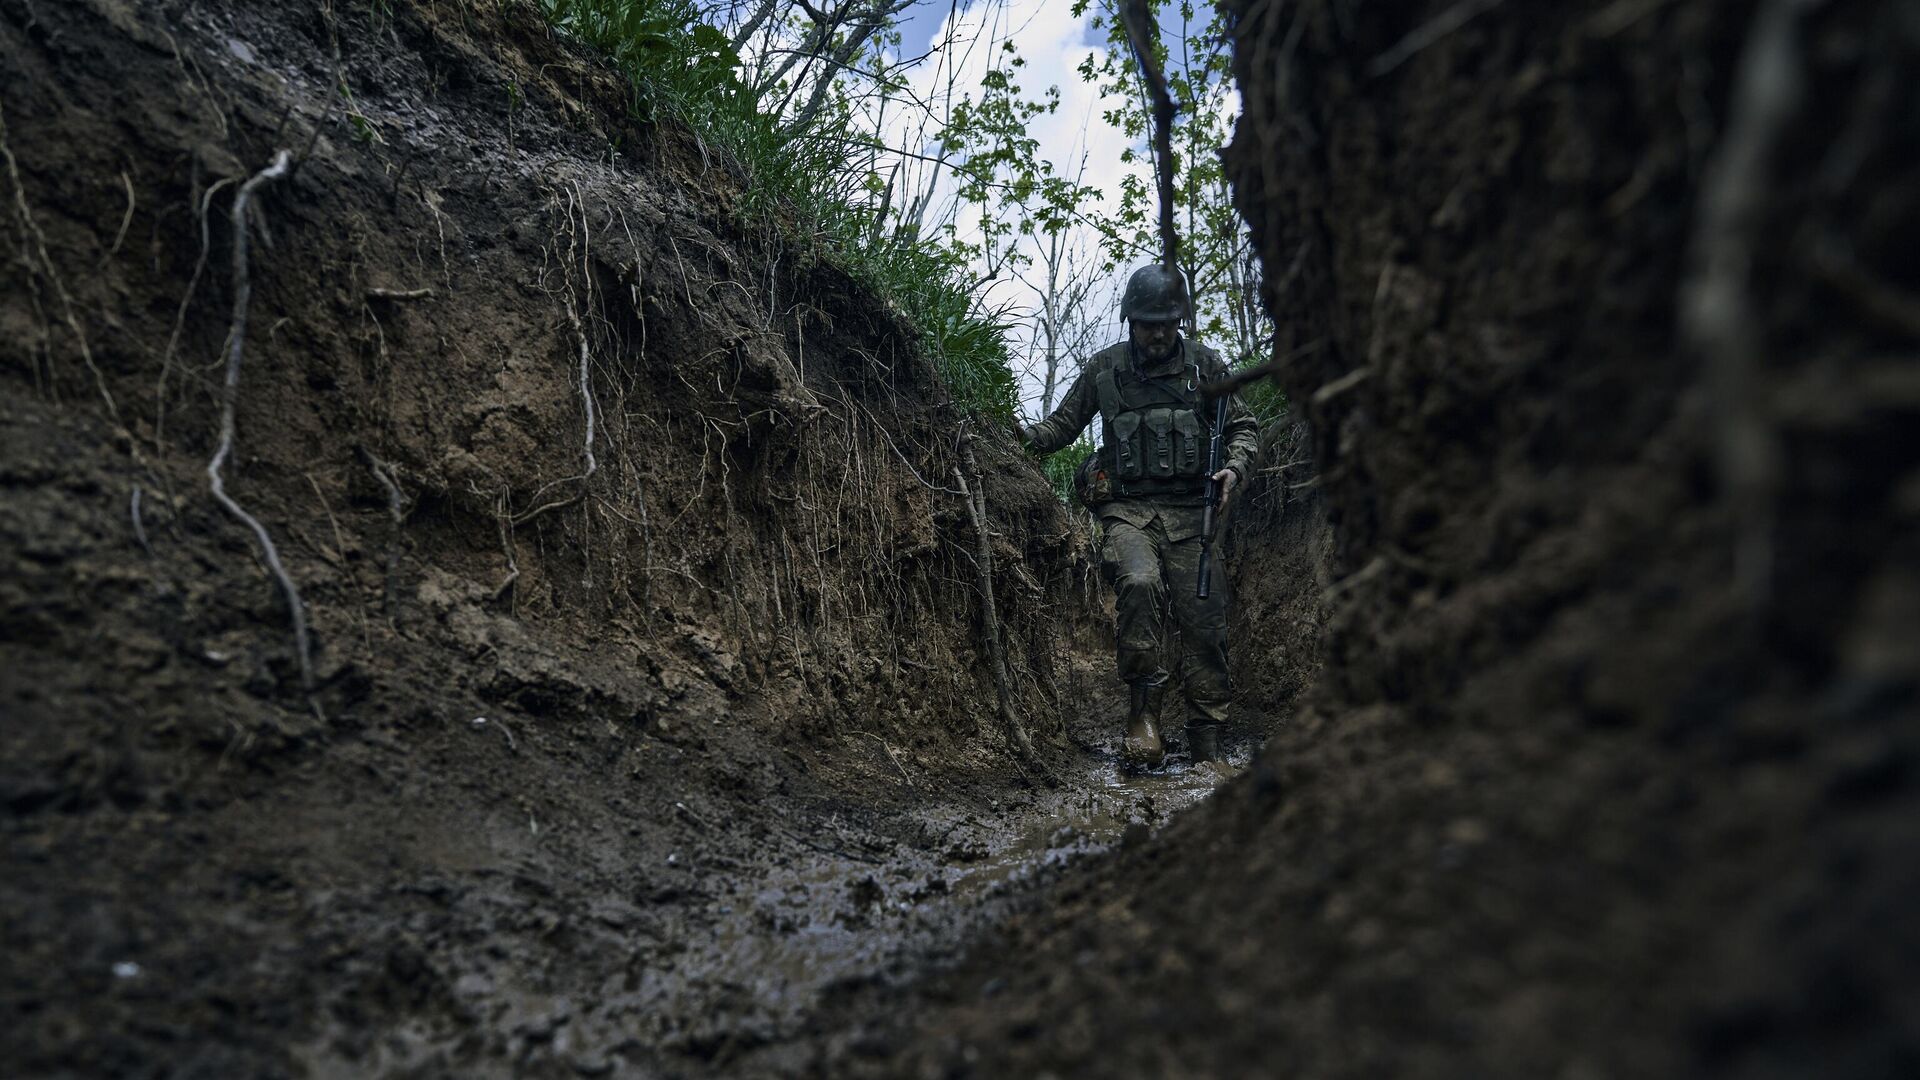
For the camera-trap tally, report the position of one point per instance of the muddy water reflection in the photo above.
(728, 972)
(1088, 820)
(818, 919)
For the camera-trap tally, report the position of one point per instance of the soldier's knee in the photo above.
(1208, 685)
(1209, 617)
(1139, 581)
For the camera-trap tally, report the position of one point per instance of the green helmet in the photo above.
(1154, 294)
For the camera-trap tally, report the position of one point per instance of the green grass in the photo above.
(811, 181)
(1063, 463)
(1265, 400)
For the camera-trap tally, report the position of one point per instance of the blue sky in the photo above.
(923, 21)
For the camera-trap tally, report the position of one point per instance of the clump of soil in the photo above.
(624, 521)
(1610, 766)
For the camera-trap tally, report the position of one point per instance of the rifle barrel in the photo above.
(1203, 587)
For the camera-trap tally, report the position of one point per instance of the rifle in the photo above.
(1204, 586)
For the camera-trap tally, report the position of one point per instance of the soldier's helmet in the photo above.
(1154, 294)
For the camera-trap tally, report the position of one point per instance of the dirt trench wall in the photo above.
(1279, 554)
(744, 500)
(588, 695)
(1610, 766)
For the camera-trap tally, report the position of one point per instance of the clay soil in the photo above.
(1574, 634)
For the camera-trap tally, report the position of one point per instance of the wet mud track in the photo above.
(750, 958)
(817, 924)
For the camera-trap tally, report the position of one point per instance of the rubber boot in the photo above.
(1203, 742)
(1142, 748)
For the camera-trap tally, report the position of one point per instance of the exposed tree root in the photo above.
(399, 294)
(891, 756)
(586, 391)
(1447, 22)
(1718, 311)
(230, 392)
(1232, 382)
(975, 498)
(505, 521)
(139, 526)
(126, 222)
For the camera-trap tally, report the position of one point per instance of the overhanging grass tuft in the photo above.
(813, 177)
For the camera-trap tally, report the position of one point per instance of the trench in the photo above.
(691, 775)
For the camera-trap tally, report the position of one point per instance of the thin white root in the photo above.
(180, 316)
(126, 221)
(396, 511)
(586, 388)
(506, 546)
(139, 526)
(1718, 313)
(230, 392)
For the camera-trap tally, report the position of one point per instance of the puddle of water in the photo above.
(1095, 816)
(818, 920)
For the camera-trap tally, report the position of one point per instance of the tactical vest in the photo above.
(1155, 429)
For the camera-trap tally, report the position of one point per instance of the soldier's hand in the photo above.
(1228, 479)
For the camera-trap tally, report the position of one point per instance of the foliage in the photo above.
(1018, 191)
(809, 169)
(1215, 250)
(1062, 464)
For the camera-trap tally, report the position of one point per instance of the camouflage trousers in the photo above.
(1150, 554)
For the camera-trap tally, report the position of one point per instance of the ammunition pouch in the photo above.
(1156, 436)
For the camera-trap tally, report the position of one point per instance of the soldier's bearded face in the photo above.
(1155, 340)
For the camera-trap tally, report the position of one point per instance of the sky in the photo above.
(1054, 42)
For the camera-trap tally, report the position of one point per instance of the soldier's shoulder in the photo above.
(1208, 358)
(1107, 359)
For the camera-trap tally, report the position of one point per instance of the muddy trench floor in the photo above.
(456, 899)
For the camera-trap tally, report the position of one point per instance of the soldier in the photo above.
(1155, 426)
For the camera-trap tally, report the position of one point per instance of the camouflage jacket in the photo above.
(1153, 422)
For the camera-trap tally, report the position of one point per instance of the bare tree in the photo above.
(1063, 325)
